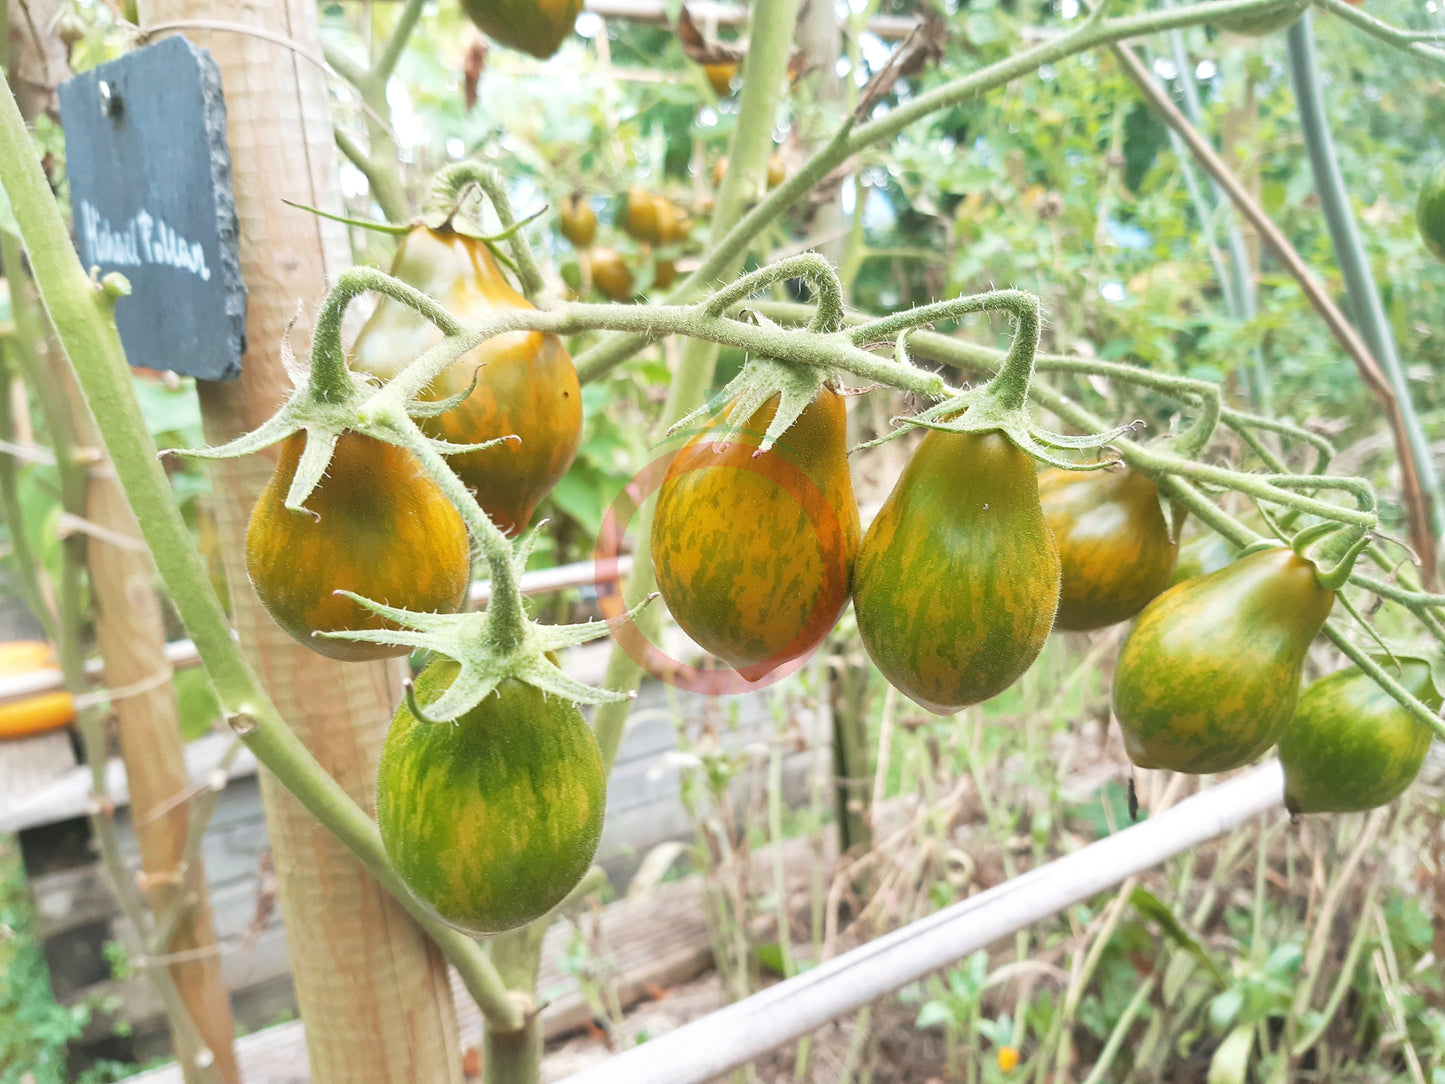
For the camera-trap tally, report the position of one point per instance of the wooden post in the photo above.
(821, 39)
(131, 634)
(372, 989)
(132, 642)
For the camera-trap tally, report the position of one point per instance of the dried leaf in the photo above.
(922, 47)
(473, 61)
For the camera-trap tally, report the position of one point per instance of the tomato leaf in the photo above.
(1152, 907)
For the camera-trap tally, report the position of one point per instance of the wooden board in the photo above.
(657, 941)
(31, 764)
(77, 914)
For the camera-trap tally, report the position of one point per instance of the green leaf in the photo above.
(1152, 907)
(580, 496)
(1225, 1008)
(1231, 1061)
(770, 958)
(934, 1014)
(169, 410)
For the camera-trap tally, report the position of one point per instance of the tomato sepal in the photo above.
(796, 386)
(471, 640)
(1000, 406)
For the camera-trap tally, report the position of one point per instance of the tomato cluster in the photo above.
(659, 226)
(493, 818)
(975, 557)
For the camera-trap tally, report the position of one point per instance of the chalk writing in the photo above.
(144, 239)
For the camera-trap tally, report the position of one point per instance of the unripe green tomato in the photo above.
(1208, 677)
(493, 818)
(1430, 212)
(1351, 746)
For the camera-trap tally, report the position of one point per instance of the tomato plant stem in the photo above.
(450, 187)
(854, 136)
(84, 318)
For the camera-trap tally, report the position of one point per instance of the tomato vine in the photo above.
(503, 643)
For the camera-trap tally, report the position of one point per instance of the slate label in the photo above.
(150, 188)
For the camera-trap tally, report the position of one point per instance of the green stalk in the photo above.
(379, 166)
(1237, 280)
(1350, 254)
(84, 318)
(1120, 1031)
(771, 37)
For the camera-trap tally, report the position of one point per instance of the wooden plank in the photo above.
(659, 940)
(29, 764)
(68, 796)
(182, 653)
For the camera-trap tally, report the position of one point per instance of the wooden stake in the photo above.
(372, 989)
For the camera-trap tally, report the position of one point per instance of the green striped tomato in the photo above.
(1114, 546)
(754, 552)
(1350, 745)
(957, 580)
(1430, 212)
(526, 387)
(533, 26)
(494, 818)
(1205, 552)
(376, 526)
(1209, 674)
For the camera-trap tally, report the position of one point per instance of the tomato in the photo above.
(39, 713)
(673, 225)
(721, 77)
(777, 170)
(526, 385)
(1114, 546)
(609, 273)
(493, 818)
(1350, 745)
(578, 221)
(1430, 212)
(1257, 24)
(654, 219)
(1209, 674)
(639, 217)
(533, 26)
(376, 525)
(957, 580)
(1205, 552)
(664, 274)
(754, 552)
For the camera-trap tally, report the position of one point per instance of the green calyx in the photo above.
(1001, 405)
(488, 652)
(324, 409)
(796, 386)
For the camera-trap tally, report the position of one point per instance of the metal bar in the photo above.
(713, 13)
(1350, 254)
(736, 1035)
(182, 653)
(709, 12)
